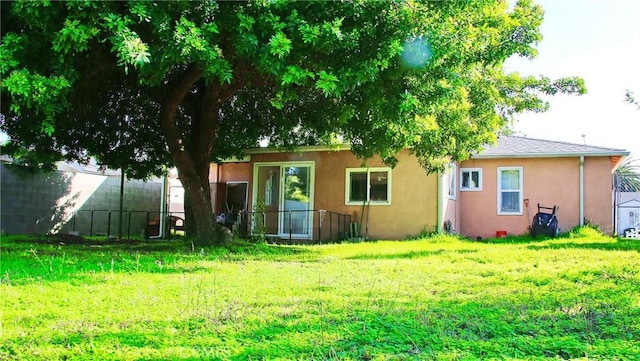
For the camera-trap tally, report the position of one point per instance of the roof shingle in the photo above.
(522, 147)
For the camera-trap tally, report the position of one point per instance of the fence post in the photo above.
(167, 226)
(290, 226)
(331, 226)
(91, 225)
(146, 228)
(129, 225)
(108, 223)
(319, 227)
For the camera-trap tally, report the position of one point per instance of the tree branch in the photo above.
(173, 95)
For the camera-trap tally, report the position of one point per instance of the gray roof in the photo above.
(522, 147)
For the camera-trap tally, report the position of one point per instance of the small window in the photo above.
(368, 185)
(451, 173)
(470, 179)
(510, 190)
(634, 218)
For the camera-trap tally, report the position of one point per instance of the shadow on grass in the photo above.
(51, 259)
(619, 245)
(408, 255)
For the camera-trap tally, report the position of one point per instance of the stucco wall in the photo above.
(598, 200)
(229, 172)
(548, 181)
(413, 207)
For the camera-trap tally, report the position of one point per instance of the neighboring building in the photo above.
(627, 211)
(82, 198)
(497, 190)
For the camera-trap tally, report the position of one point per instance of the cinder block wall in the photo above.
(64, 201)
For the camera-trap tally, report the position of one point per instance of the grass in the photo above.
(439, 298)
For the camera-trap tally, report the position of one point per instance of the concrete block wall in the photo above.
(65, 201)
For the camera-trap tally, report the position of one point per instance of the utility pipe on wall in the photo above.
(440, 205)
(582, 190)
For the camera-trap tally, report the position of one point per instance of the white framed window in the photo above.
(451, 173)
(470, 179)
(510, 190)
(372, 185)
(634, 218)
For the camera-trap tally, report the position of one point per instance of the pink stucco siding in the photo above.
(546, 181)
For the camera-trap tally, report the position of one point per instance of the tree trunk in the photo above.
(199, 215)
(192, 163)
(192, 156)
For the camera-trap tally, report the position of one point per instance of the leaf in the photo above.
(328, 83)
(279, 45)
(47, 128)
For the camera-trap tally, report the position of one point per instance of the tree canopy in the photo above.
(143, 85)
(626, 177)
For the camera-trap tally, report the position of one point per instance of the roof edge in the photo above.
(299, 149)
(551, 155)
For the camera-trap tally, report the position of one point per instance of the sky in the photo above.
(598, 41)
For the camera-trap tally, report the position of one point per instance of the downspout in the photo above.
(440, 219)
(581, 190)
(616, 195)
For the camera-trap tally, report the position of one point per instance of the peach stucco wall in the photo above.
(548, 181)
(598, 200)
(230, 172)
(413, 207)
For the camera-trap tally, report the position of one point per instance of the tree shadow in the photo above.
(33, 202)
(619, 245)
(65, 257)
(408, 255)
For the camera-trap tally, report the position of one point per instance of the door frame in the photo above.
(281, 183)
(246, 192)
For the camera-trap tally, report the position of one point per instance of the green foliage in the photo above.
(258, 232)
(146, 85)
(312, 63)
(437, 298)
(626, 177)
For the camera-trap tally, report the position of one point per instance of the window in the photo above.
(510, 190)
(368, 185)
(451, 173)
(634, 218)
(470, 179)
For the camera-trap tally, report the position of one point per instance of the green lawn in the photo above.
(439, 298)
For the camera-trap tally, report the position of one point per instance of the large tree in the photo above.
(144, 85)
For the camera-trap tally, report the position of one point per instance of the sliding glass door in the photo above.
(284, 192)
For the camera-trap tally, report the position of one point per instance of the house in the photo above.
(294, 195)
(297, 191)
